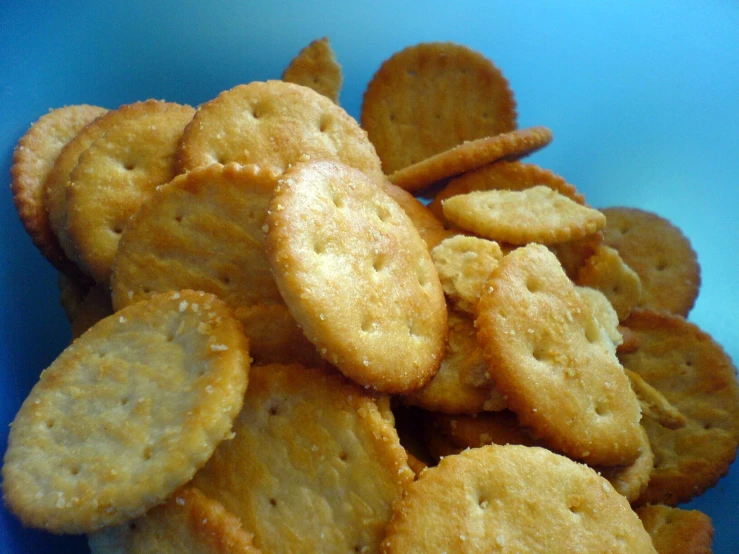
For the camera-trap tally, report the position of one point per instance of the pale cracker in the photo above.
(603, 312)
(504, 175)
(33, 160)
(698, 378)
(126, 414)
(606, 271)
(653, 404)
(553, 362)
(314, 464)
(356, 276)
(660, 254)
(471, 155)
(677, 530)
(537, 214)
(274, 124)
(463, 384)
(464, 265)
(513, 499)
(188, 523)
(316, 67)
(431, 97)
(116, 175)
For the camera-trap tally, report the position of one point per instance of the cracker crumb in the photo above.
(180, 501)
(129, 294)
(218, 347)
(195, 307)
(175, 296)
(209, 389)
(183, 305)
(122, 319)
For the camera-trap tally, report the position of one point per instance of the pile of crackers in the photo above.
(299, 332)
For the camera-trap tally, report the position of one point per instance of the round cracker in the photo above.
(504, 175)
(274, 124)
(659, 253)
(356, 276)
(469, 156)
(314, 465)
(33, 160)
(431, 97)
(554, 362)
(316, 67)
(188, 523)
(513, 499)
(537, 214)
(697, 377)
(126, 414)
(117, 174)
(205, 230)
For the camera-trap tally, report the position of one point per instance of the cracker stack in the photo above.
(279, 348)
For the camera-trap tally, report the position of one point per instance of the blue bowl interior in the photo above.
(641, 97)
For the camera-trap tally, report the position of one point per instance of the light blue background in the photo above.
(642, 97)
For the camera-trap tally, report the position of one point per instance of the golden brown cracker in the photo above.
(33, 160)
(356, 276)
(316, 67)
(462, 385)
(513, 499)
(116, 175)
(554, 363)
(431, 97)
(677, 530)
(606, 271)
(537, 214)
(659, 253)
(126, 414)
(314, 464)
(430, 228)
(471, 155)
(205, 231)
(631, 480)
(188, 523)
(274, 124)
(696, 376)
(575, 253)
(464, 265)
(504, 175)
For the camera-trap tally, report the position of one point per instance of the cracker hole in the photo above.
(600, 410)
(538, 354)
(273, 501)
(379, 262)
(624, 229)
(257, 111)
(325, 123)
(225, 279)
(178, 218)
(412, 72)
(367, 325)
(273, 409)
(616, 289)
(707, 426)
(117, 229)
(338, 201)
(49, 423)
(383, 213)
(343, 456)
(319, 247)
(591, 333)
(147, 453)
(532, 284)
(146, 290)
(392, 117)
(661, 265)
(74, 470)
(130, 166)
(132, 526)
(124, 401)
(575, 503)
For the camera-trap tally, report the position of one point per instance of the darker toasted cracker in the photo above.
(698, 378)
(659, 253)
(33, 159)
(431, 97)
(471, 155)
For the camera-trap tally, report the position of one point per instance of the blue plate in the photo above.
(642, 97)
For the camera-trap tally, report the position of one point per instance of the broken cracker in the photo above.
(316, 67)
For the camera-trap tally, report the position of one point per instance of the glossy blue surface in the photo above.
(642, 97)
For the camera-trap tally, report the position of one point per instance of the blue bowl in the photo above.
(641, 97)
